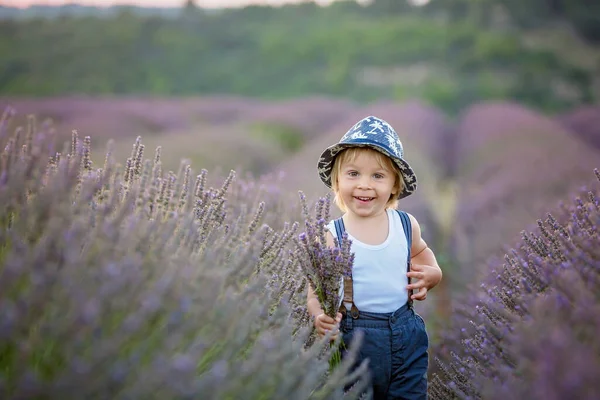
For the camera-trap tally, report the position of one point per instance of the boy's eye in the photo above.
(352, 173)
(378, 176)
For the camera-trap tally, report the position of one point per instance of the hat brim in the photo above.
(327, 160)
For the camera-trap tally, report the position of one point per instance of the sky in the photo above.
(156, 3)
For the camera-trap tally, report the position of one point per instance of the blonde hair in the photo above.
(349, 155)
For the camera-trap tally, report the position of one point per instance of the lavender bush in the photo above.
(531, 329)
(512, 165)
(133, 282)
(584, 122)
(141, 115)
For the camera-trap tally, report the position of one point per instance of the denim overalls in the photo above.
(395, 344)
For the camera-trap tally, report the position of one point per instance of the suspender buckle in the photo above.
(354, 311)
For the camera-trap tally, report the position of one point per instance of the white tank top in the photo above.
(379, 272)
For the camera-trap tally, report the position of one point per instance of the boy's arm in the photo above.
(312, 302)
(424, 266)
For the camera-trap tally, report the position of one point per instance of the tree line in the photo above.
(450, 53)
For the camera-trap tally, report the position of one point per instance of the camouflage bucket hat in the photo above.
(376, 134)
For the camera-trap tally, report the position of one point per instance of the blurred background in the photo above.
(495, 100)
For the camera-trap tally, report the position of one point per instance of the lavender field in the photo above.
(147, 277)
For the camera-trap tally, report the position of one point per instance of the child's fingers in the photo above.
(416, 275)
(324, 323)
(420, 295)
(416, 285)
(324, 326)
(323, 330)
(328, 326)
(325, 319)
(416, 267)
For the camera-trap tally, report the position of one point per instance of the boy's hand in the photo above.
(427, 276)
(324, 324)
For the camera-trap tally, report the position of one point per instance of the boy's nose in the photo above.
(364, 183)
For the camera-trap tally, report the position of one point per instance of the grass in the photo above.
(290, 139)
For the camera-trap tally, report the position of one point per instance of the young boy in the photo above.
(368, 175)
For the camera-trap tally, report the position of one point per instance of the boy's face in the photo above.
(364, 185)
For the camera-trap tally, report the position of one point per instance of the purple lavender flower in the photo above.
(533, 319)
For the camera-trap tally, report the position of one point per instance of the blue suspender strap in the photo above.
(406, 225)
(339, 229)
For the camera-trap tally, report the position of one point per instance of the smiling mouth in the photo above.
(364, 199)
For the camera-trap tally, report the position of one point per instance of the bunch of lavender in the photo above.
(530, 329)
(324, 266)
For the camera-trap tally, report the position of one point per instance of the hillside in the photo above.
(481, 177)
(219, 131)
(512, 165)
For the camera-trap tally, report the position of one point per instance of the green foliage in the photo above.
(582, 15)
(442, 93)
(286, 52)
(289, 138)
